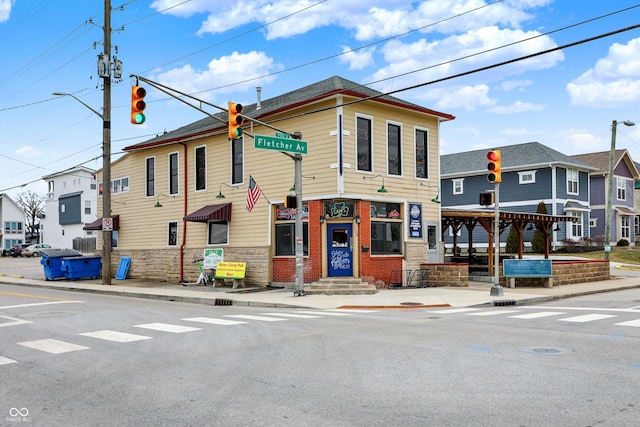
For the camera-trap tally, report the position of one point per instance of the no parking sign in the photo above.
(107, 224)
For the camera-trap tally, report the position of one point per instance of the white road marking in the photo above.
(213, 321)
(53, 346)
(6, 361)
(296, 316)
(352, 310)
(454, 310)
(13, 321)
(249, 317)
(587, 318)
(492, 313)
(635, 323)
(165, 327)
(36, 304)
(538, 315)
(115, 336)
(324, 313)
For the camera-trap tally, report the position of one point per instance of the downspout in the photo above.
(184, 213)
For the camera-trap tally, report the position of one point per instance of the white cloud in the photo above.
(580, 141)
(516, 107)
(469, 98)
(5, 9)
(27, 152)
(510, 85)
(226, 70)
(613, 81)
(515, 132)
(359, 59)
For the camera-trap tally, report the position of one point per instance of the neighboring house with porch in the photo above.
(12, 218)
(623, 213)
(531, 173)
(369, 177)
(71, 202)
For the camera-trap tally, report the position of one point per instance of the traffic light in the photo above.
(494, 166)
(235, 120)
(290, 202)
(138, 105)
(486, 199)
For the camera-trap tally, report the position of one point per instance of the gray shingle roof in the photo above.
(524, 156)
(322, 89)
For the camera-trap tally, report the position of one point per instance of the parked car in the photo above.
(34, 250)
(14, 251)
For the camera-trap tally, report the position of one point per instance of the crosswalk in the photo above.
(561, 315)
(56, 346)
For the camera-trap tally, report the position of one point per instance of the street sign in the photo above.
(280, 144)
(107, 224)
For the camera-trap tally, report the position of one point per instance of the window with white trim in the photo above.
(576, 227)
(394, 149)
(172, 234)
(572, 181)
(218, 233)
(422, 153)
(527, 177)
(458, 187)
(364, 144)
(174, 170)
(200, 164)
(150, 163)
(120, 185)
(625, 227)
(621, 188)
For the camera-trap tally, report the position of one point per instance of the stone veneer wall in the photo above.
(565, 272)
(448, 274)
(163, 265)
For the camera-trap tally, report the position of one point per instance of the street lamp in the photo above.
(607, 217)
(106, 184)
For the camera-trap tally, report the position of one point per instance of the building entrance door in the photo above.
(340, 250)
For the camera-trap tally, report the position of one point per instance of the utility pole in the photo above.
(106, 148)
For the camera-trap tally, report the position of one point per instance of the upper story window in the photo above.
(120, 185)
(150, 176)
(87, 207)
(422, 154)
(50, 190)
(14, 227)
(621, 188)
(174, 171)
(237, 161)
(201, 168)
(364, 144)
(458, 187)
(572, 181)
(394, 149)
(527, 177)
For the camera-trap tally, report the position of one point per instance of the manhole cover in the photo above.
(545, 350)
(410, 303)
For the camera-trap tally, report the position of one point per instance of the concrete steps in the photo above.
(340, 286)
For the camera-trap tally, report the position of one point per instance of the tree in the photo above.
(33, 206)
(537, 241)
(512, 241)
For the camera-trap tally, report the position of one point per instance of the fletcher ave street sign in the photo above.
(280, 144)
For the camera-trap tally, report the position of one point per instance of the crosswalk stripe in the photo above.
(297, 316)
(454, 310)
(492, 313)
(538, 315)
(214, 321)
(53, 346)
(250, 317)
(165, 327)
(351, 310)
(324, 313)
(115, 336)
(587, 318)
(12, 321)
(635, 323)
(6, 360)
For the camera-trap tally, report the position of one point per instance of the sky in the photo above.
(221, 51)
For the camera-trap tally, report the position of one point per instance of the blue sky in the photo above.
(221, 51)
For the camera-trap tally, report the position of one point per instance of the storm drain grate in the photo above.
(222, 301)
(504, 302)
(545, 350)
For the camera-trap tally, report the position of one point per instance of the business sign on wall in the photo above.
(415, 220)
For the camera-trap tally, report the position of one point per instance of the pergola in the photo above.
(456, 219)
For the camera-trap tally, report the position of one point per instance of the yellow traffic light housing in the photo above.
(235, 120)
(290, 202)
(138, 105)
(494, 166)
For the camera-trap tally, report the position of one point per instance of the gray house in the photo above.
(625, 174)
(531, 173)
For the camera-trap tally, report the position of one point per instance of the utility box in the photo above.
(51, 260)
(84, 267)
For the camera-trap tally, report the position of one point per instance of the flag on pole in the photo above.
(253, 194)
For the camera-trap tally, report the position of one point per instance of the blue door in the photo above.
(340, 250)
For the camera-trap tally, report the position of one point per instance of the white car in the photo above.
(34, 250)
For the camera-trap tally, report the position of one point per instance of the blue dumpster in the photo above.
(51, 259)
(85, 267)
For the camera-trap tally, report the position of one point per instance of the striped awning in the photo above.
(220, 212)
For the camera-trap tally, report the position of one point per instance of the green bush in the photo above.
(623, 242)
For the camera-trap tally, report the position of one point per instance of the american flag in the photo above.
(253, 194)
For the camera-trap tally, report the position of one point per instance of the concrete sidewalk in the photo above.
(404, 298)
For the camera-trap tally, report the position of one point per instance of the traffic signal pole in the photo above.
(496, 289)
